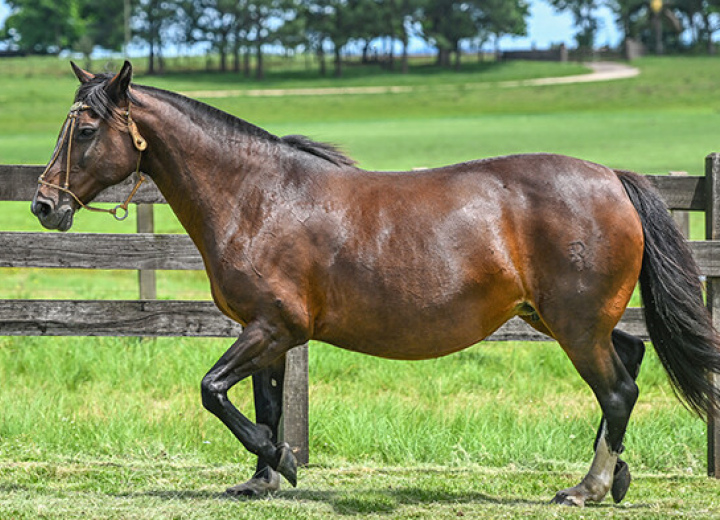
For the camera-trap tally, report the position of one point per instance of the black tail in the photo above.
(679, 325)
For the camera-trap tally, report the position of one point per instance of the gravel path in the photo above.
(601, 71)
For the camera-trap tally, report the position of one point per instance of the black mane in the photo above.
(326, 151)
(94, 95)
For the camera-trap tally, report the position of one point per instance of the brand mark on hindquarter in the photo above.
(577, 254)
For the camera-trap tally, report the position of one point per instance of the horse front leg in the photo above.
(258, 347)
(268, 387)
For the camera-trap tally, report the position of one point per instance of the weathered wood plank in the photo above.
(632, 322)
(114, 318)
(164, 252)
(99, 251)
(686, 193)
(707, 256)
(177, 318)
(18, 183)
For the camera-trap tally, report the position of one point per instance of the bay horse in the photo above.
(301, 244)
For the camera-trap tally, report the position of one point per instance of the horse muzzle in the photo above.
(53, 215)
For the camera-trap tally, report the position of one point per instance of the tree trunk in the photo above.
(246, 62)
(365, 51)
(708, 30)
(657, 30)
(259, 70)
(151, 58)
(236, 58)
(443, 57)
(338, 61)
(391, 54)
(321, 59)
(405, 60)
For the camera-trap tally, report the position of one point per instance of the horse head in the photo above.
(98, 146)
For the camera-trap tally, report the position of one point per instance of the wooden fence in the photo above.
(146, 252)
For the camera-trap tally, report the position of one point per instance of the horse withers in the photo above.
(301, 244)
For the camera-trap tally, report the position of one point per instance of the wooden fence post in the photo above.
(146, 277)
(712, 232)
(295, 423)
(681, 216)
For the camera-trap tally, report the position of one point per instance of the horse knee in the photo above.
(211, 394)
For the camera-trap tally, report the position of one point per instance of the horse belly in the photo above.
(419, 314)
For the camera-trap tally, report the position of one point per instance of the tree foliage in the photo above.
(232, 27)
(243, 29)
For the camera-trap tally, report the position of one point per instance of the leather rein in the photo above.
(120, 212)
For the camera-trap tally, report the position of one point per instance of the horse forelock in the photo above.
(94, 95)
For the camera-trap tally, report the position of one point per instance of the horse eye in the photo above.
(86, 133)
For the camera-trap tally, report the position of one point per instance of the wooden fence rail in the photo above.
(147, 251)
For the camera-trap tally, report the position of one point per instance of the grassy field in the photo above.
(111, 428)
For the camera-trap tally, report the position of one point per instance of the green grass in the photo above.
(122, 489)
(114, 428)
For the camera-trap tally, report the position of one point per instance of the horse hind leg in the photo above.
(631, 351)
(602, 368)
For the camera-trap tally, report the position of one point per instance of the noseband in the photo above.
(138, 141)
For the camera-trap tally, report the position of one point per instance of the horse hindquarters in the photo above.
(586, 263)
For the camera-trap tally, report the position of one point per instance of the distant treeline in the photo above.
(239, 31)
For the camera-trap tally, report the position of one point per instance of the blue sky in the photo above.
(545, 27)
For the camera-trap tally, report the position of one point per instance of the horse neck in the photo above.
(204, 170)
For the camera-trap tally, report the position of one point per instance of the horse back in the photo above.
(425, 263)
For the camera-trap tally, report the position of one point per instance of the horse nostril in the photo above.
(41, 209)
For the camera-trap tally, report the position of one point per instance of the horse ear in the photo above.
(83, 75)
(118, 86)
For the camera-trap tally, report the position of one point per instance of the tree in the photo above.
(702, 19)
(448, 22)
(43, 26)
(264, 19)
(152, 20)
(214, 21)
(584, 14)
(506, 17)
(103, 24)
(406, 14)
(332, 20)
(396, 20)
(647, 20)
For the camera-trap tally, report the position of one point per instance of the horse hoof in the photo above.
(621, 481)
(287, 465)
(256, 486)
(564, 498)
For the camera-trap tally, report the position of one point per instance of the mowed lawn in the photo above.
(114, 428)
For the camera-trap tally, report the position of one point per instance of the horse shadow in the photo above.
(382, 501)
